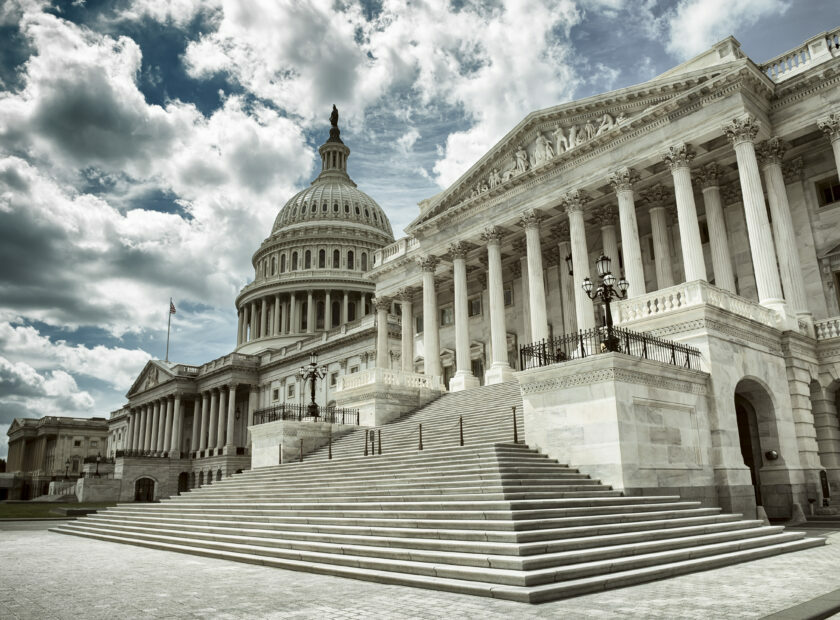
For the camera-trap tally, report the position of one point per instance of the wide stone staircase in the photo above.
(490, 518)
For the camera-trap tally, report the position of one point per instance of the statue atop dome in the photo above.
(335, 133)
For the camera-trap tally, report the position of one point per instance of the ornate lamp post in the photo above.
(311, 372)
(66, 468)
(607, 292)
(98, 459)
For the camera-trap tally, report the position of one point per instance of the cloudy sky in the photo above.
(146, 145)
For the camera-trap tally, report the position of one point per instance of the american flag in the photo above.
(171, 307)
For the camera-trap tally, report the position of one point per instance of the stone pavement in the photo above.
(45, 575)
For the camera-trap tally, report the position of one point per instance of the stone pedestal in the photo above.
(383, 395)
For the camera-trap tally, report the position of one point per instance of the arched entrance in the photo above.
(144, 490)
(758, 435)
(750, 441)
(200, 478)
(183, 482)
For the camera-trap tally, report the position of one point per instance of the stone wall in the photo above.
(280, 442)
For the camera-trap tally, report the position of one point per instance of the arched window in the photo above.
(314, 208)
(273, 265)
(364, 261)
(282, 263)
(358, 212)
(336, 314)
(294, 261)
(336, 259)
(346, 208)
(218, 474)
(335, 208)
(350, 264)
(319, 315)
(322, 259)
(351, 311)
(367, 213)
(324, 208)
(307, 260)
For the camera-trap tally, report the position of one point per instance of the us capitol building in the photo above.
(713, 188)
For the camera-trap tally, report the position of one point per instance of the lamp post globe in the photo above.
(607, 292)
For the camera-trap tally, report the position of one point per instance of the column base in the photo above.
(463, 380)
(499, 372)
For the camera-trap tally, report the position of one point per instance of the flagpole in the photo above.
(168, 325)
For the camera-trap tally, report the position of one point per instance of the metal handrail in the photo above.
(300, 413)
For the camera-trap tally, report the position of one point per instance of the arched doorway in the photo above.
(200, 478)
(750, 441)
(144, 490)
(218, 474)
(758, 436)
(183, 482)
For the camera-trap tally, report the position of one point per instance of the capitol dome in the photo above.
(310, 274)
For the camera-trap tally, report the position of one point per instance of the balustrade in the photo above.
(827, 328)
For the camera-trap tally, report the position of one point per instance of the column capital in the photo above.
(492, 235)
(771, 152)
(405, 294)
(656, 196)
(575, 200)
(830, 126)
(382, 303)
(794, 170)
(530, 218)
(459, 249)
(622, 180)
(428, 263)
(740, 130)
(709, 176)
(606, 215)
(678, 156)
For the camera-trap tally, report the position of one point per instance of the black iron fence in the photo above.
(143, 453)
(589, 342)
(303, 413)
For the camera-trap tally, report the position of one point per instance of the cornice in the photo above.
(825, 78)
(622, 375)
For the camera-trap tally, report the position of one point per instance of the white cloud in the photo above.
(406, 141)
(695, 25)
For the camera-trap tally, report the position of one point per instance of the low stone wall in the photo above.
(98, 489)
(280, 442)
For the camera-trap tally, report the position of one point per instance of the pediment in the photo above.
(553, 136)
(154, 373)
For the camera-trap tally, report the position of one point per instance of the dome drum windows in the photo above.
(307, 260)
(294, 261)
(350, 260)
(322, 259)
(336, 259)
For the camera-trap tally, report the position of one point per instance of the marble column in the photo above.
(205, 421)
(130, 430)
(741, 133)
(407, 329)
(362, 305)
(530, 220)
(830, 126)
(153, 443)
(167, 427)
(214, 420)
(293, 315)
(177, 425)
(567, 293)
(230, 446)
(383, 357)
(254, 323)
(519, 270)
(222, 420)
(310, 313)
(246, 319)
(344, 308)
(239, 327)
(770, 155)
(463, 377)
(622, 182)
(500, 370)
(327, 311)
(263, 316)
(678, 158)
(196, 424)
(574, 203)
(275, 328)
(655, 198)
(709, 178)
(431, 342)
(140, 430)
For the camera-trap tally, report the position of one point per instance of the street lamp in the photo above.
(66, 468)
(311, 372)
(607, 292)
(98, 458)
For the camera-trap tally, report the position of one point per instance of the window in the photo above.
(418, 324)
(324, 208)
(319, 315)
(307, 260)
(294, 261)
(93, 443)
(273, 265)
(333, 378)
(351, 311)
(508, 296)
(336, 259)
(335, 208)
(314, 208)
(335, 315)
(275, 394)
(350, 264)
(282, 263)
(358, 212)
(704, 232)
(447, 316)
(474, 306)
(322, 259)
(77, 442)
(354, 370)
(364, 261)
(828, 190)
(290, 390)
(367, 213)
(347, 208)
(304, 314)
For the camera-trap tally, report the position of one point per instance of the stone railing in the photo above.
(689, 294)
(821, 48)
(227, 360)
(399, 248)
(383, 376)
(827, 328)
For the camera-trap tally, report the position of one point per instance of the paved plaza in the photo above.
(45, 575)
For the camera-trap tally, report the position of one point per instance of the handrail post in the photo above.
(301, 450)
(421, 437)
(379, 438)
(461, 428)
(365, 433)
(515, 435)
(329, 448)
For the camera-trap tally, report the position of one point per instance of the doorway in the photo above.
(183, 482)
(144, 490)
(750, 441)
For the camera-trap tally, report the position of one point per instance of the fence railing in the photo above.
(301, 413)
(149, 454)
(586, 343)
